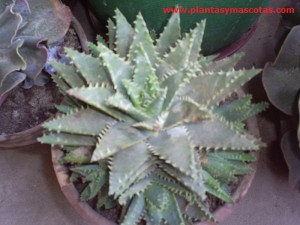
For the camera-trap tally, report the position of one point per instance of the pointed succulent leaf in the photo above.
(89, 67)
(217, 134)
(124, 105)
(240, 109)
(61, 84)
(234, 155)
(133, 91)
(124, 34)
(105, 200)
(170, 35)
(178, 58)
(117, 67)
(198, 212)
(158, 196)
(93, 49)
(125, 167)
(134, 211)
(214, 187)
(135, 189)
(153, 124)
(85, 121)
(194, 185)
(142, 37)
(175, 148)
(211, 88)
(68, 139)
(88, 169)
(164, 180)
(174, 83)
(143, 68)
(220, 169)
(68, 73)
(93, 187)
(111, 27)
(155, 107)
(97, 97)
(197, 42)
(116, 138)
(185, 111)
(225, 64)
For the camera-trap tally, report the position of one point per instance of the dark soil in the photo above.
(71, 40)
(24, 109)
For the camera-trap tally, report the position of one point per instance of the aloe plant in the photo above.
(281, 80)
(146, 122)
(25, 32)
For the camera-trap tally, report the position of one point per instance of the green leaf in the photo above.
(97, 97)
(197, 42)
(124, 34)
(155, 107)
(135, 189)
(68, 73)
(123, 104)
(241, 109)
(185, 111)
(143, 69)
(85, 121)
(217, 134)
(111, 27)
(134, 211)
(194, 185)
(142, 37)
(214, 187)
(89, 67)
(225, 64)
(125, 166)
(117, 68)
(175, 148)
(68, 139)
(211, 88)
(170, 35)
(116, 138)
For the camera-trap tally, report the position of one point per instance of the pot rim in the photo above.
(94, 218)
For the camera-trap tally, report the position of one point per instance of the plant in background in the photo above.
(25, 29)
(281, 80)
(146, 123)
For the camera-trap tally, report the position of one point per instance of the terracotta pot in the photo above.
(94, 218)
(28, 137)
